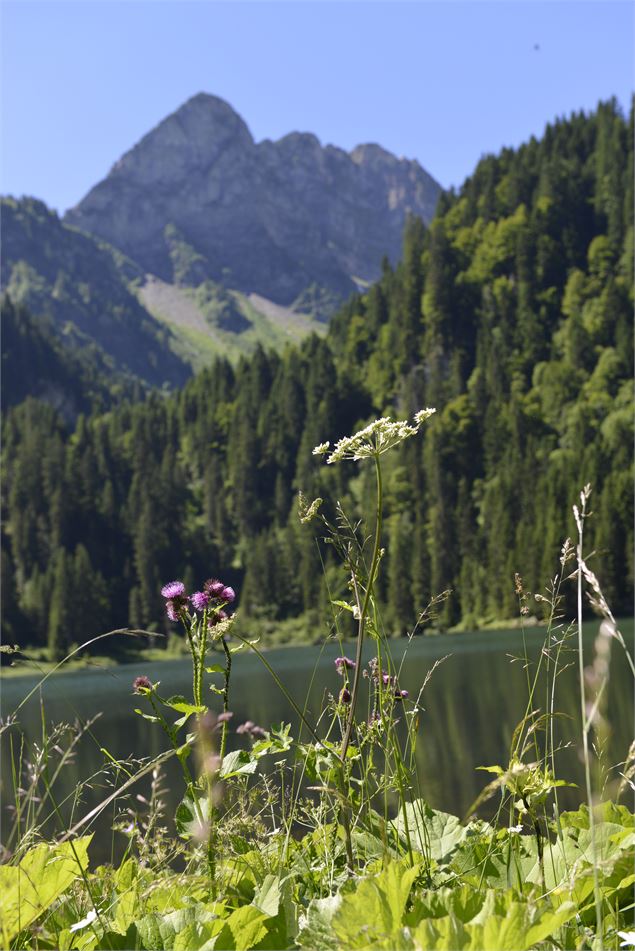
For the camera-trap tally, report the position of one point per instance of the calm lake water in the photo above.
(472, 703)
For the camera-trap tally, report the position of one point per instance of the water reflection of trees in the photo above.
(471, 706)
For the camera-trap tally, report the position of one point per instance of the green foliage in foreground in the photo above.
(472, 887)
(364, 861)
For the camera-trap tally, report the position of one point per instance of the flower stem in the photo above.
(228, 670)
(363, 614)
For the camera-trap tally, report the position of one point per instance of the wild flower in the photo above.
(345, 695)
(214, 587)
(251, 729)
(344, 663)
(401, 694)
(200, 600)
(375, 439)
(173, 589)
(175, 607)
(141, 684)
(228, 595)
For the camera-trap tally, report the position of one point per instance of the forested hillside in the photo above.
(512, 315)
(82, 288)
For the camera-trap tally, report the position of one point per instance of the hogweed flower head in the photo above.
(375, 439)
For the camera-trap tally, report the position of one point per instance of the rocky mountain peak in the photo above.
(271, 218)
(192, 138)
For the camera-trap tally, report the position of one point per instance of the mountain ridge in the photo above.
(269, 217)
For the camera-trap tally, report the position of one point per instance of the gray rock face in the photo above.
(271, 218)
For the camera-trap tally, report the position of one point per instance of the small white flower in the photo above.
(321, 449)
(90, 917)
(628, 939)
(375, 439)
(518, 828)
(423, 414)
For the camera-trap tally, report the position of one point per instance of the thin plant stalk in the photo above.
(580, 515)
(362, 617)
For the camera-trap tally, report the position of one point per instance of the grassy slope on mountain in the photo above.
(210, 321)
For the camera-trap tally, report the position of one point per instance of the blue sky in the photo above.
(442, 82)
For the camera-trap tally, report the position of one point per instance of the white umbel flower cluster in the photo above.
(375, 439)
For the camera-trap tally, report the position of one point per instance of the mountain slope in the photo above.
(73, 380)
(290, 220)
(83, 288)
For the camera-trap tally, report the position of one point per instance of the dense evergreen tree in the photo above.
(512, 315)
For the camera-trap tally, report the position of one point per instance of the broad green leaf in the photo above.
(316, 931)
(267, 896)
(28, 889)
(550, 922)
(187, 929)
(192, 813)
(237, 762)
(503, 934)
(435, 834)
(442, 934)
(379, 902)
(242, 931)
(181, 705)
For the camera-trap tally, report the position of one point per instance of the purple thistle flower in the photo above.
(173, 589)
(344, 663)
(228, 595)
(401, 694)
(214, 587)
(345, 695)
(175, 607)
(141, 684)
(251, 729)
(200, 600)
(223, 717)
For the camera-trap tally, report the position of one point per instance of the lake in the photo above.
(471, 705)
